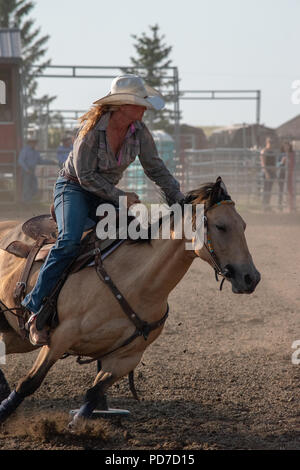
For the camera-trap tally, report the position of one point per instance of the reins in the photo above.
(7, 309)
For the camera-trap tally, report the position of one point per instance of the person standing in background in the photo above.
(281, 164)
(287, 164)
(268, 161)
(64, 150)
(290, 156)
(28, 159)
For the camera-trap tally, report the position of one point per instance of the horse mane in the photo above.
(201, 195)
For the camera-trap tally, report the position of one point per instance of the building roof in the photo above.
(10, 44)
(231, 128)
(290, 129)
(239, 136)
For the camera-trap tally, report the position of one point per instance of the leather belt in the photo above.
(67, 175)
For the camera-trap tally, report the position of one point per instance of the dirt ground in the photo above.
(219, 377)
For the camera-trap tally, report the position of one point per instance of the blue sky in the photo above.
(217, 44)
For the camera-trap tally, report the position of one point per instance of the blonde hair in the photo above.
(91, 117)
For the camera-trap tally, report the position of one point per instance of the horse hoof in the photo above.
(71, 425)
(9, 405)
(75, 422)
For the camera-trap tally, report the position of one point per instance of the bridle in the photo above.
(225, 273)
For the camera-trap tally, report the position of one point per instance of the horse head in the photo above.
(225, 246)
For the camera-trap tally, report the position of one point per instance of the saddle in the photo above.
(42, 230)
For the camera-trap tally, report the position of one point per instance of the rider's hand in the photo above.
(132, 198)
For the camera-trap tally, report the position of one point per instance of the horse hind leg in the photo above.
(10, 342)
(27, 385)
(31, 382)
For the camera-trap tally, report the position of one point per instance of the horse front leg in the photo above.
(112, 370)
(95, 396)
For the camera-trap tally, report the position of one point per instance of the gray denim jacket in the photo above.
(98, 170)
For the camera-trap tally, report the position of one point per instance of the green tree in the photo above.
(14, 14)
(151, 62)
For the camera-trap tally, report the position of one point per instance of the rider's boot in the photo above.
(36, 337)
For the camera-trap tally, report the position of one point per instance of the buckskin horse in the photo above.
(93, 324)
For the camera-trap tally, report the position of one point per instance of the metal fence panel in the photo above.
(239, 168)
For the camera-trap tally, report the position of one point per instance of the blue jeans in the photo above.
(75, 210)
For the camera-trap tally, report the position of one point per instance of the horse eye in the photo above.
(222, 228)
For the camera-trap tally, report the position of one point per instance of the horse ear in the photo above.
(216, 192)
(223, 187)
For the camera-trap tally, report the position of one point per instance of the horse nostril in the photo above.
(248, 279)
(229, 271)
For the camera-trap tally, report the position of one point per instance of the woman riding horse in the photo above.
(110, 137)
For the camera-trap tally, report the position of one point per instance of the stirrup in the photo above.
(27, 328)
(30, 321)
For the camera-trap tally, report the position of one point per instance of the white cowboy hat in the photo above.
(131, 89)
(32, 135)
